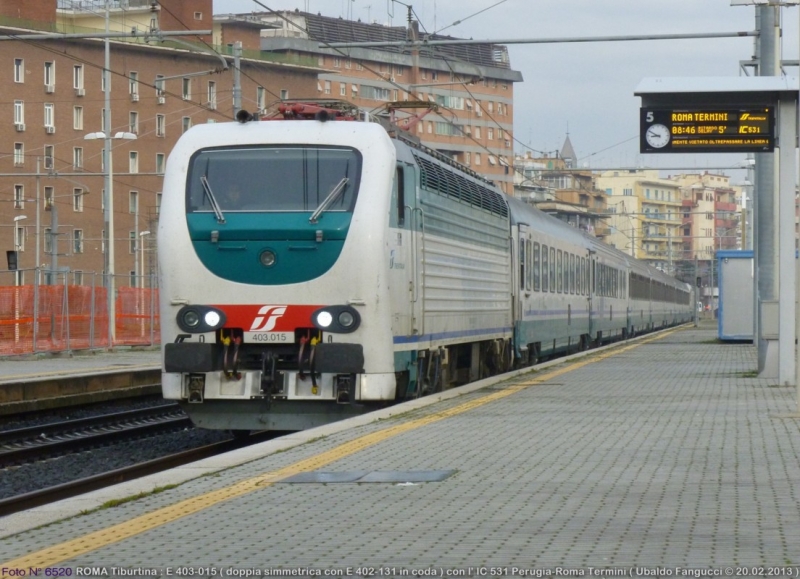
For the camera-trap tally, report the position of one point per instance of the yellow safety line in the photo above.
(70, 549)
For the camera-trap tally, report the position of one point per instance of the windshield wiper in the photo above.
(332, 196)
(212, 199)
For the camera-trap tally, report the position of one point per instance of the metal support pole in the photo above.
(237, 81)
(765, 198)
(109, 187)
(786, 236)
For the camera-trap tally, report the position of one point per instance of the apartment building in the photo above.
(665, 221)
(463, 95)
(555, 185)
(52, 177)
(645, 215)
(711, 214)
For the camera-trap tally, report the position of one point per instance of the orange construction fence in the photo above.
(52, 318)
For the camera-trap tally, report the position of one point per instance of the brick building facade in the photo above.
(54, 96)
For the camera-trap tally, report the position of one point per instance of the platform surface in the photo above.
(23, 368)
(661, 453)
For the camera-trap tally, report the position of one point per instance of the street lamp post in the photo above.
(17, 245)
(140, 247)
(109, 217)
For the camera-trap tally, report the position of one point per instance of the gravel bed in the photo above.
(31, 477)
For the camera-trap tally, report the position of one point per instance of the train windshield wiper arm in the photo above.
(332, 196)
(212, 199)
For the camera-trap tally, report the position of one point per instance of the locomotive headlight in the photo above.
(267, 258)
(339, 319)
(190, 318)
(346, 319)
(324, 319)
(199, 319)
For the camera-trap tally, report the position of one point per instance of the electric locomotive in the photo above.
(315, 267)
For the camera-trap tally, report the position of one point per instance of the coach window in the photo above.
(528, 259)
(552, 269)
(536, 267)
(571, 273)
(579, 274)
(521, 264)
(545, 269)
(560, 271)
(566, 272)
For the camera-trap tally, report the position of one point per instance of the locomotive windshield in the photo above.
(274, 178)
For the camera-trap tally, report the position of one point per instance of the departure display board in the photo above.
(707, 130)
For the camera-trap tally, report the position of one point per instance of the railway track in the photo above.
(30, 444)
(52, 494)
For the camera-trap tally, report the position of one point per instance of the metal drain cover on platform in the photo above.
(378, 476)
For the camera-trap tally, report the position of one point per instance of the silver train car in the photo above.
(313, 270)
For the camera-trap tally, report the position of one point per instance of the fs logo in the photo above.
(267, 318)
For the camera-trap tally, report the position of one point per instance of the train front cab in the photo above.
(269, 316)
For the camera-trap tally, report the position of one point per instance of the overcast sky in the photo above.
(585, 89)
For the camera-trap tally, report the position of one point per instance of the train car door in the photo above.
(521, 255)
(590, 265)
(402, 264)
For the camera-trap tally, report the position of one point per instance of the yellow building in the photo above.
(645, 215)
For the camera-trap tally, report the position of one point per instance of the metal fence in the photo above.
(64, 311)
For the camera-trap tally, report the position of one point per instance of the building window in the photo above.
(19, 112)
(198, 15)
(48, 197)
(19, 196)
(186, 89)
(261, 98)
(160, 158)
(158, 203)
(131, 242)
(77, 118)
(133, 122)
(77, 199)
(159, 84)
(161, 122)
(49, 156)
(77, 157)
(477, 132)
(133, 202)
(342, 89)
(49, 74)
(477, 158)
(19, 238)
(284, 94)
(78, 277)
(77, 76)
(337, 62)
(186, 123)
(490, 133)
(327, 87)
(133, 162)
(19, 70)
(19, 154)
(133, 83)
(212, 94)
(48, 240)
(77, 241)
(49, 114)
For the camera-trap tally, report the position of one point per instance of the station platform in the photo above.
(658, 456)
(32, 383)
